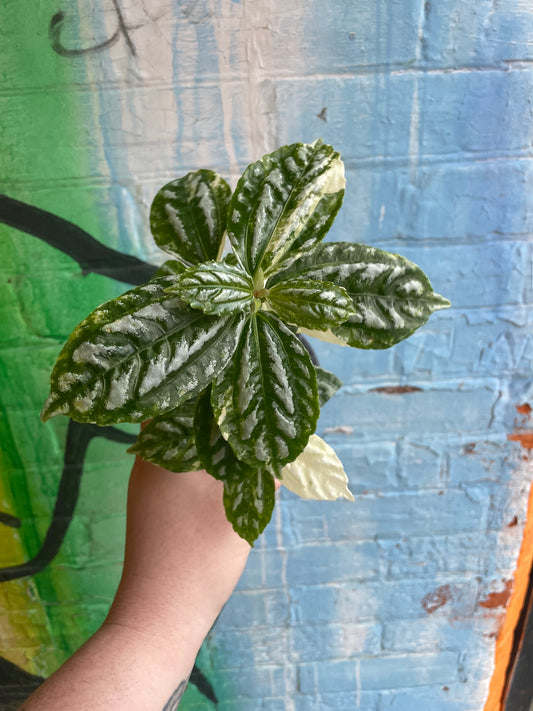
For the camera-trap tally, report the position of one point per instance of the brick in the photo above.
(321, 562)
(445, 697)
(372, 466)
(442, 408)
(426, 514)
(486, 197)
(382, 673)
(459, 553)
(476, 36)
(340, 603)
(238, 648)
(249, 608)
(252, 683)
(446, 104)
(334, 641)
(336, 701)
(438, 632)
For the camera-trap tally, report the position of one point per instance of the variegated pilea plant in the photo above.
(209, 351)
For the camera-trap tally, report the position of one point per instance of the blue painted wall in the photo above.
(373, 605)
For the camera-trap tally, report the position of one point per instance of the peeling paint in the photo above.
(396, 389)
(524, 438)
(498, 599)
(437, 598)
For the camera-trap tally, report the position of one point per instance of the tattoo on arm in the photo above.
(173, 703)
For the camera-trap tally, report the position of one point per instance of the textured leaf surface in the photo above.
(249, 494)
(391, 295)
(172, 267)
(328, 384)
(138, 356)
(168, 440)
(311, 304)
(188, 216)
(285, 201)
(317, 473)
(216, 288)
(249, 501)
(266, 402)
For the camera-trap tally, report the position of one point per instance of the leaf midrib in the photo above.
(297, 185)
(135, 354)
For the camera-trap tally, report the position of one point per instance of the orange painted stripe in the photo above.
(504, 643)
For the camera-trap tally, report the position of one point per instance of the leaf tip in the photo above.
(441, 302)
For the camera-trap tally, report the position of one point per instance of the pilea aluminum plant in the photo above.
(208, 350)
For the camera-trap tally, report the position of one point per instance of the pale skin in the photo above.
(182, 562)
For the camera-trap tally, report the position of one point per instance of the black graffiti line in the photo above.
(91, 255)
(62, 235)
(8, 519)
(79, 437)
(54, 35)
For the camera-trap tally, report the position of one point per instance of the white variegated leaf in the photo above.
(139, 355)
(317, 473)
(311, 304)
(171, 267)
(327, 383)
(249, 493)
(168, 440)
(188, 216)
(266, 401)
(216, 288)
(392, 296)
(284, 204)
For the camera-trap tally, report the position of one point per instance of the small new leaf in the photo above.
(216, 288)
(327, 383)
(317, 473)
(249, 493)
(138, 356)
(266, 401)
(311, 304)
(392, 296)
(188, 216)
(168, 440)
(284, 203)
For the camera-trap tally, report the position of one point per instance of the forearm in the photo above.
(182, 562)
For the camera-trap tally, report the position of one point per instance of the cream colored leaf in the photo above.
(317, 473)
(327, 336)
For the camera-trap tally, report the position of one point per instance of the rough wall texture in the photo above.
(393, 602)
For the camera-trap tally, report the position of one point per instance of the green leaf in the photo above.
(216, 288)
(284, 203)
(310, 304)
(391, 295)
(188, 216)
(317, 473)
(249, 501)
(215, 454)
(266, 402)
(249, 494)
(327, 383)
(168, 440)
(138, 356)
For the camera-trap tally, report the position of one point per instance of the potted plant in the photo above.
(210, 349)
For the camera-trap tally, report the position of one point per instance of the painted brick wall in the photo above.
(385, 604)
